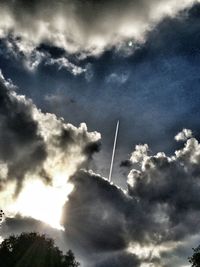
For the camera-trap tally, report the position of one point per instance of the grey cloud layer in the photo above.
(86, 27)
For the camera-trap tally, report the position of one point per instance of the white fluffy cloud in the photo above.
(139, 153)
(64, 63)
(183, 135)
(84, 27)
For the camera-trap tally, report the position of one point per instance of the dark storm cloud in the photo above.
(120, 259)
(95, 211)
(21, 146)
(96, 219)
(101, 221)
(160, 211)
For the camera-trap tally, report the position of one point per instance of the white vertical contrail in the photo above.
(113, 153)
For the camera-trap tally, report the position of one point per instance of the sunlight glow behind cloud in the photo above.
(42, 202)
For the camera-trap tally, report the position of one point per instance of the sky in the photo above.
(69, 70)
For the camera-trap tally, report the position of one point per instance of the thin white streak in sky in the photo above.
(113, 153)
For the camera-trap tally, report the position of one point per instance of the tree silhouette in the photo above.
(33, 250)
(1, 216)
(195, 259)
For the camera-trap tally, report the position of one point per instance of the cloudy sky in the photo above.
(69, 70)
